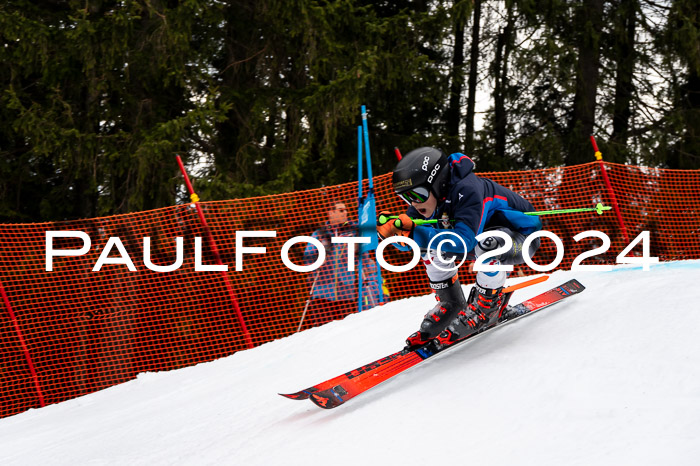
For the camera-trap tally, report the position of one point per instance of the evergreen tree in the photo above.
(588, 20)
(98, 97)
(453, 114)
(296, 76)
(682, 37)
(473, 72)
(624, 39)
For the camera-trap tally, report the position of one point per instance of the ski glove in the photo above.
(402, 226)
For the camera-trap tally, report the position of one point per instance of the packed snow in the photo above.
(608, 377)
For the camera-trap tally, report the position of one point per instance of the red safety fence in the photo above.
(71, 331)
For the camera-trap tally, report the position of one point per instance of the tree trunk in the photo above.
(238, 72)
(500, 117)
(686, 155)
(473, 68)
(453, 114)
(624, 85)
(587, 72)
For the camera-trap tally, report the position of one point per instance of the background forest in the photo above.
(262, 96)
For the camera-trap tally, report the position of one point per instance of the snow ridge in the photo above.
(611, 376)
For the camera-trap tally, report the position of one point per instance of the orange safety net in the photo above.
(83, 330)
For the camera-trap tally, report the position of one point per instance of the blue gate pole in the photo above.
(370, 194)
(359, 215)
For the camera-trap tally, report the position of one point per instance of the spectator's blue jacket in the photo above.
(335, 282)
(475, 204)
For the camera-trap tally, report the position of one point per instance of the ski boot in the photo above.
(451, 302)
(486, 300)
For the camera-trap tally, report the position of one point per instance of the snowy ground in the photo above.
(610, 377)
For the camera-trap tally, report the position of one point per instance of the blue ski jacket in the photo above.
(474, 204)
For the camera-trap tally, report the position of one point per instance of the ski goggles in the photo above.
(418, 195)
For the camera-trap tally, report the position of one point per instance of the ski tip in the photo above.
(302, 395)
(328, 399)
(324, 401)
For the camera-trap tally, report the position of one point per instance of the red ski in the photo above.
(336, 391)
(386, 363)
(367, 368)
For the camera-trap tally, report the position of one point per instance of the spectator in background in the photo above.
(334, 292)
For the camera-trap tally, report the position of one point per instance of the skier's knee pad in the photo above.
(490, 243)
(514, 255)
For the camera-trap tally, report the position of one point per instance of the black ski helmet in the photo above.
(422, 167)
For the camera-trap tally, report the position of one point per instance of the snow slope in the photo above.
(609, 377)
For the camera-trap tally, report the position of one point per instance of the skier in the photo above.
(445, 188)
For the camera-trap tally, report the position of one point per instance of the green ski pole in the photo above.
(599, 209)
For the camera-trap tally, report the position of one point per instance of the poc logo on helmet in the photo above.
(432, 173)
(426, 161)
